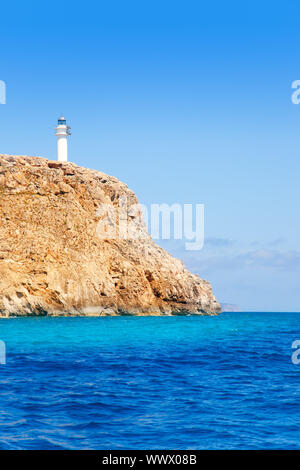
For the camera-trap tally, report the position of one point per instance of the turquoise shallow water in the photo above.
(223, 382)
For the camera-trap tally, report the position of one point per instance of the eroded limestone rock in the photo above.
(52, 261)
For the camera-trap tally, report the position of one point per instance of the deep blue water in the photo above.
(223, 382)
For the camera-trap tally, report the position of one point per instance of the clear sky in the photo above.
(186, 102)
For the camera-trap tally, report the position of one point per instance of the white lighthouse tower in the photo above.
(62, 134)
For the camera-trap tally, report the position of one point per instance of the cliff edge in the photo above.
(54, 260)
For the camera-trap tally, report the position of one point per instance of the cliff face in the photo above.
(54, 259)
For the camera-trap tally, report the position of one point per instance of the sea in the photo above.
(182, 382)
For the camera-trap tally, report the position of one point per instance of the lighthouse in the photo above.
(62, 134)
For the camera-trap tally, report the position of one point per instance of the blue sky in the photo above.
(187, 102)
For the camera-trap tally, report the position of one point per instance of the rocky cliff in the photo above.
(55, 259)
